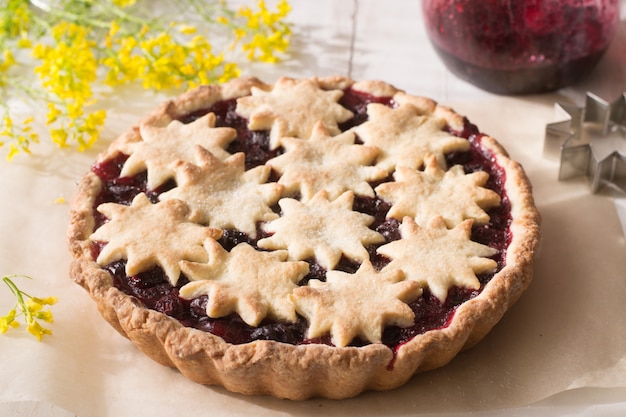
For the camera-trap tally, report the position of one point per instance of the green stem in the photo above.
(19, 295)
(97, 15)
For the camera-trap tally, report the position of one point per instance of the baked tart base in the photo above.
(309, 238)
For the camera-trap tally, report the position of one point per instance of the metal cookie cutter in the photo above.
(591, 141)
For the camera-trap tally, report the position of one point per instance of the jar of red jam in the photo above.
(521, 46)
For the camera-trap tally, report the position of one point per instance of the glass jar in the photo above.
(520, 46)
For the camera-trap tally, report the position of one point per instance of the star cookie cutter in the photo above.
(591, 141)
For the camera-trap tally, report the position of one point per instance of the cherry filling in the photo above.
(522, 46)
(154, 290)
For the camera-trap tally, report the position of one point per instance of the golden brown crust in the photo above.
(376, 88)
(303, 371)
(334, 82)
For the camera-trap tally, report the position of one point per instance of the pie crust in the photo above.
(297, 207)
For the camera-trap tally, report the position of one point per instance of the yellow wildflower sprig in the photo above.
(67, 71)
(15, 19)
(31, 308)
(267, 32)
(19, 136)
(262, 34)
(81, 49)
(162, 61)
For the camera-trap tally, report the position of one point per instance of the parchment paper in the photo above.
(563, 343)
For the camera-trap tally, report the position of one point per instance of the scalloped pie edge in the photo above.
(300, 372)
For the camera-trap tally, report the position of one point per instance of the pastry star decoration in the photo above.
(162, 146)
(359, 304)
(332, 163)
(166, 236)
(405, 136)
(222, 194)
(321, 229)
(292, 108)
(251, 283)
(423, 195)
(437, 257)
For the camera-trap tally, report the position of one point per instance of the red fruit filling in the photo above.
(154, 290)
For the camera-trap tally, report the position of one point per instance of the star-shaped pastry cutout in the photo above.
(222, 194)
(245, 281)
(321, 229)
(357, 305)
(405, 136)
(147, 234)
(323, 162)
(292, 108)
(452, 194)
(437, 257)
(161, 147)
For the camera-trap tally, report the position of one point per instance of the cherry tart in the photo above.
(310, 237)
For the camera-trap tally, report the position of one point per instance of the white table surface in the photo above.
(560, 351)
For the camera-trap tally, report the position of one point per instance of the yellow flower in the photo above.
(187, 29)
(24, 43)
(13, 150)
(53, 113)
(29, 307)
(8, 321)
(231, 70)
(37, 330)
(252, 18)
(75, 109)
(16, 19)
(114, 28)
(45, 316)
(124, 3)
(78, 50)
(20, 135)
(8, 59)
(59, 136)
(265, 30)
(283, 8)
(68, 68)
(8, 124)
(33, 305)
(144, 30)
(90, 129)
(121, 62)
(239, 33)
